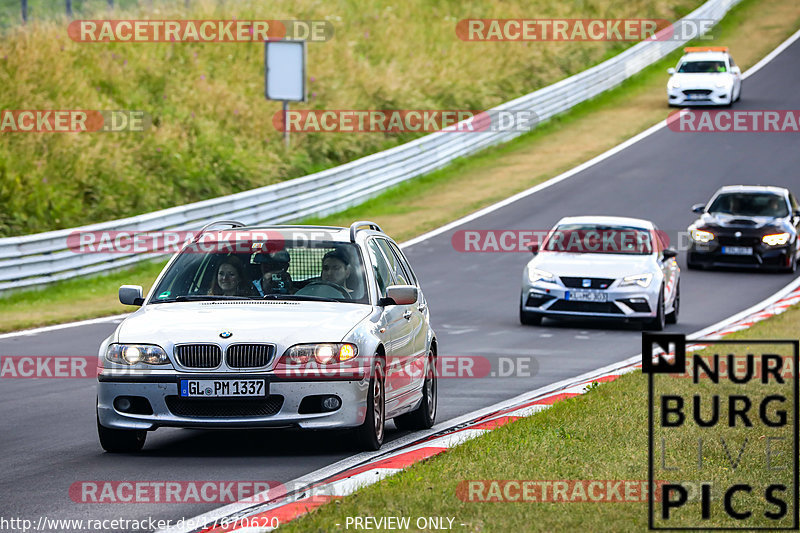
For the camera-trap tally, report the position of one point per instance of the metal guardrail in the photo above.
(45, 257)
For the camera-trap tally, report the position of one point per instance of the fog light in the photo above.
(123, 404)
(638, 300)
(331, 403)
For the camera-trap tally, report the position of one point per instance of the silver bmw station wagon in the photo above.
(279, 326)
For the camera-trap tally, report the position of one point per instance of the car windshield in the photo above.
(301, 269)
(750, 205)
(600, 239)
(694, 67)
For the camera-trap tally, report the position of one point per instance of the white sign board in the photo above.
(285, 70)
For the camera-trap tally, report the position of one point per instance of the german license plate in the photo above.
(737, 250)
(223, 388)
(697, 97)
(586, 296)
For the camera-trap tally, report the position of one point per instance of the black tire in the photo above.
(658, 323)
(526, 318)
(739, 96)
(370, 434)
(792, 268)
(672, 318)
(120, 440)
(424, 416)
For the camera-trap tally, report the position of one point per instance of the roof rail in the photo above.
(355, 225)
(232, 223)
(690, 49)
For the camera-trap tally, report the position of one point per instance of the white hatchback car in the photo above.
(704, 76)
(281, 326)
(602, 267)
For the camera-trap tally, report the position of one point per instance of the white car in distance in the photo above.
(704, 76)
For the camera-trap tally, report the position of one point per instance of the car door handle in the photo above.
(407, 314)
(422, 307)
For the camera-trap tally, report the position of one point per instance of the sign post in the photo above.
(285, 75)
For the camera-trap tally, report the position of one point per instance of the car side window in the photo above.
(381, 269)
(398, 270)
(404, 263)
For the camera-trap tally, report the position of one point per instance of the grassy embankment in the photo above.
(212, 130)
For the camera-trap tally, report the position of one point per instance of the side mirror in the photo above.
(669, 253)
(736, 70)
(670, 71)
(400, 295)
(533, 246)
(131, 295)
(698, 208)
(796, 212)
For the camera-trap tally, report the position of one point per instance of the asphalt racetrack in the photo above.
(49, 439)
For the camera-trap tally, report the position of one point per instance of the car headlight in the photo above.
(131, 354)
(776, 239)
(723, 83)
(672, 84)
(642, 280)
(535, 274)
(323, 353)
(702, 236)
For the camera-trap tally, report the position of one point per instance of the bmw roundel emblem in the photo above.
(226, 334)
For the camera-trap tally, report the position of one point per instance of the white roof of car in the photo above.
(607, 221)
(753, 188)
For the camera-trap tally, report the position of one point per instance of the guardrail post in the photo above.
(69, 8)
(24, 5)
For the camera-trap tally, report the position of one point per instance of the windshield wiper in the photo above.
(300, 297)
(200, 298)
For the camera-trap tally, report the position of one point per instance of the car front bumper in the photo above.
(627, 303)
(763, 256)
(716, 96)
(280, 409)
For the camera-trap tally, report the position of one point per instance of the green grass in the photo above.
(598, 436)
(212, 132)
(74, 299)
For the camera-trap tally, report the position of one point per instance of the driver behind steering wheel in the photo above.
(336, 269)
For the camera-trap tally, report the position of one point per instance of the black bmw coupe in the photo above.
(746, 226)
